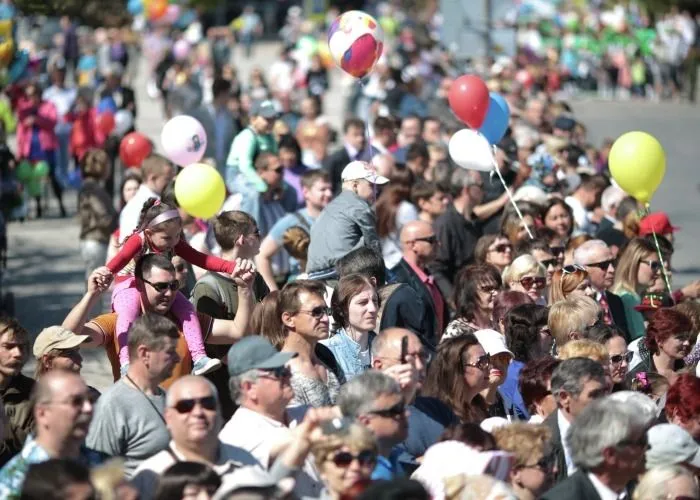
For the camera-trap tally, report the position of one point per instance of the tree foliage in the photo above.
(89, 12)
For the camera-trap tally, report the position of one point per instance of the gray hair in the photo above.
(170, 395)
(584, 254)
(357, 397)
(604, 423)
(611, 197)
(571, 375)
(460, 179)
(654, 484)
(234, 384)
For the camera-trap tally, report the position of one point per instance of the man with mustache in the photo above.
(62, 413)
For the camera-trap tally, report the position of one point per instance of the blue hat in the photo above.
(255, 352)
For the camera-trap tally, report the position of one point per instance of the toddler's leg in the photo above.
(127, 304)
(186, 315)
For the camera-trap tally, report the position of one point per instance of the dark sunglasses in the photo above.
(77, 401)
(160, 287)
(187, 405)
(398, 410)
(604, 265)
(528, 281)
(573, 269)
(655, 265)
(345, 458)
(502, 248)
(549, 262)
(619, 358)
(428, 239)
(277, 170)
(318, 312)
(557, 250)
(483, 363)
(180, 267)
(279, 372)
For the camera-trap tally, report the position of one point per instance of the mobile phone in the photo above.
(404, 349)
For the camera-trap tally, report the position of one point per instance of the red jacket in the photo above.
(85, 134)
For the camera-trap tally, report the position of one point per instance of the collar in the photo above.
(603, 490)
(222, 466)
(352, 152)
(563, 423)
(422, 275)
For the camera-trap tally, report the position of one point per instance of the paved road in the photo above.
(46, 273)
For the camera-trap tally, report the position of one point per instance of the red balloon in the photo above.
(134, 148)
(105, 122)
(157, 9)
(469, 100)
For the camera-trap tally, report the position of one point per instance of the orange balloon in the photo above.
(157, 9)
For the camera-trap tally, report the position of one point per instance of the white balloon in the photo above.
(471, 150)
(123, 121)
(184, 140)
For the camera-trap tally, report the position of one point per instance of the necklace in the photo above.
(155, 408)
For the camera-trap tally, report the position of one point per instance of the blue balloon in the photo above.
(135, 7)
(496, 121)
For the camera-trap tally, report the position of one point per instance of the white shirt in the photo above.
(62, 99)
(259, 435)
(581, 215)
(129, 217)
(604, 492)
(564, 425)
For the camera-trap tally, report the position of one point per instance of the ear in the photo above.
(288, 320)
(564, 400)
(377, 364)
(363, 420)
(574, 336)
(514, 475)
(609, 456)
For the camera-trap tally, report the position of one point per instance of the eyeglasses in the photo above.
(528, 281)
(549, 262)
(503, 248)
(655, 265)
(483, 363)
(557, 250)
(488, 288)
(573, 269)
(279, 372)
(604, 265)
(187, 405)
(545, 463)
(318, 312)
(77, 401)
(364, 458)
(619, 358)
(398, 410)
(431, 240)
(161, 287)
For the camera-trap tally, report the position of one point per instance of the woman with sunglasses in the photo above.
(542, 252)
(666, 343)
(527, 275)
(355, 306)
(558, 217)
(494, 249)
(618, 355)
(475, 291)
(456, 376)
(345, 456)
(568, 282)
(531, 473)
(637, 269)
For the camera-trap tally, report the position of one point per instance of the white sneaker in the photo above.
(205, 365)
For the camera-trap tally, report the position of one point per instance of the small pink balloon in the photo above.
(184, 140)
(181, 49)
(172, 14)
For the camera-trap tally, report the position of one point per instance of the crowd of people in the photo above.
(363, 319)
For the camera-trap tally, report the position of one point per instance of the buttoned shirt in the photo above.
(435, 293)
(604, 492)
(564, 425)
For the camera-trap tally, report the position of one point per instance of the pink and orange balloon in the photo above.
(355, 42)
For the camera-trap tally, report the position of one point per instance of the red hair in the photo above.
(683, 398)
(665, 323)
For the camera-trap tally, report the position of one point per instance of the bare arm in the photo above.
(486, 210)
(77, 317)
(263, 261)
(228, 331)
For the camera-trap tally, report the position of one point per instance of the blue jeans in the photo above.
(63, 131)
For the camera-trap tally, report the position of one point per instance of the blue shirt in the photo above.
(388, 468)
(509, 391)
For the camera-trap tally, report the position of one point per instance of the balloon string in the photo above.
(510, 195)
(667, 281)
(369, 143)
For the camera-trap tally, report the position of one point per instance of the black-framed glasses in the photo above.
(655, 265)
(318, 312)
(549, 262)
(557, 250)
(603, 265)
(546, 463)
(483, 363)
(502, 248)
(187, 405)
(396, 411)
(161, 287)
(571, 269)
(619, 358)
(279, 372)
(488, 288)
(528, 281)
(431, 240)
(345, 458)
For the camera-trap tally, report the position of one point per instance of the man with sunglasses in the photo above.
(596, 257)
(62, 412)
(375, 400)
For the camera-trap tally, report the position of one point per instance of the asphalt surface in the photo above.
(45, 272)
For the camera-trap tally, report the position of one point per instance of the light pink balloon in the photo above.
(181, 49)
(184, 140)
(172, 14)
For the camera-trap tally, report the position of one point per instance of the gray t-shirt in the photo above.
(125, 424)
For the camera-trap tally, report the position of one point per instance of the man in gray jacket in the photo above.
(347, 223)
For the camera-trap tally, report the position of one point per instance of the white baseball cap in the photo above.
(492, 341)
(356, 170)
(670, 444)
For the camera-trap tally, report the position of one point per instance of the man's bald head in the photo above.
(414, 230)
(181, 388)
(386, 352)
(52, 383)
(388, 342)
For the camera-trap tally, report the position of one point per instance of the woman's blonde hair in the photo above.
(526, 441)
(107, 477)
(355, 436)
(584, 348)
(636, 250)
(654, 484)
(523, 265)
(571, 316)
(565, 283)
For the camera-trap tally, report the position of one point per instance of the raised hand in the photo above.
(244, 274)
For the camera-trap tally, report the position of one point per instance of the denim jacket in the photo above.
(347, 352)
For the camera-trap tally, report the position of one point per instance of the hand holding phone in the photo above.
(404, 349)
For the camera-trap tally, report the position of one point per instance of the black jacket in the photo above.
(403, 308)
(617, 311)
(334, 165)
(557, 447)
(403, 273)
(576, 487)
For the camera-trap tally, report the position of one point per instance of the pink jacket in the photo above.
(45, 119)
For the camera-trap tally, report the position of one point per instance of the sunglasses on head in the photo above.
(549, 262)
(187, 405)
(619, 358)
(318, 312)
(572, 269)
(398, 410)
(604, 265)
(502, 248)
(345, 458)
(160, 287)
(528, 281)
(557, 250)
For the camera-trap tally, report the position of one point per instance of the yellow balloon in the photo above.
(200, 190)
(638, 164)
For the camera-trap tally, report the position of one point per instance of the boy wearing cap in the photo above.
(347, 223)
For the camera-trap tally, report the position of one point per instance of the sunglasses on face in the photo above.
(572, 269)
(398, 410)
(187, 405)
(655, 265)
(180, 268)
(619, 358)
(280, 372)
(345, 458)
(528, 281)
(483, 363)
(549, 262)
(317, 312)
(557, 250)
(488, 288)
(604, 265)
(277, 170)
(161, 287)
(431, 240)
(77, 401)
(503, 248)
